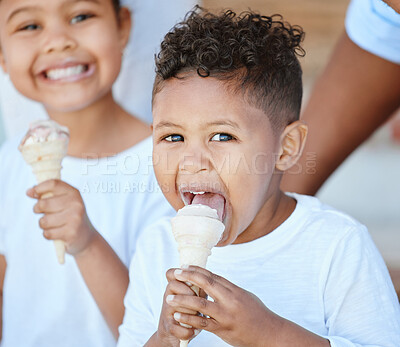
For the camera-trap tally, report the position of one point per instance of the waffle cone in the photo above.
(45, 160)
(195, 235)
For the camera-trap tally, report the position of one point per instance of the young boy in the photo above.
(66, 55)
(289, 271)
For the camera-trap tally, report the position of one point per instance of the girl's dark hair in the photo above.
(253, 54)
(117, 6)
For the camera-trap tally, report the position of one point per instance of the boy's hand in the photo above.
(169, 330)
(65, 215)
(236, 315)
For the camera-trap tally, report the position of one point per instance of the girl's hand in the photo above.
(236, 315)
(64, 215)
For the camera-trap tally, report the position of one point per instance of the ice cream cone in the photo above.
(44, 151)
(197, 230)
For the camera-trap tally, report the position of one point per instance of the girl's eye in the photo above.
(222, 137)
(29, 27)
(174, 138)
(80, 18)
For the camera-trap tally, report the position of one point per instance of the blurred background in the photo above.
(367, 185)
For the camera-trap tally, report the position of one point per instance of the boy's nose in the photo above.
(58, 40)
(194, 162)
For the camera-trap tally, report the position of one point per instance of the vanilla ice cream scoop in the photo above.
(43, 148)
(197, 229)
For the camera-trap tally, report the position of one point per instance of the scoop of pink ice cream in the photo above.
(45, 131)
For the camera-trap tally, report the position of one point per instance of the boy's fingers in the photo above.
(178, 287)
(179, 331)
(197, 322)
(191, 304)
(215, 286)
(170, 275)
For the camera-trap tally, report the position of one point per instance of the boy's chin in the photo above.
(228, 236)
(226, 241)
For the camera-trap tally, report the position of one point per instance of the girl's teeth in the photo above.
(57, 74)
(200, 193)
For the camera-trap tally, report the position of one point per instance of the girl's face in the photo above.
(66, 54)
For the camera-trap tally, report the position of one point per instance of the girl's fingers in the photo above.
(215, 286)
(56, 187)
(52, 205)
(53, 220)
(57, 233)
(31, 192)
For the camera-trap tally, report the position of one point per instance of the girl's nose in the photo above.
(58, 40)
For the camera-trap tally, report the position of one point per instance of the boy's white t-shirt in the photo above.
(47, 304)
(319, 269)
(374, 26)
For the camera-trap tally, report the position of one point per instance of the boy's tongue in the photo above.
(215, 201)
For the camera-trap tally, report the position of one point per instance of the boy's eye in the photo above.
(222, 137)
(174, 138)
(80, 18)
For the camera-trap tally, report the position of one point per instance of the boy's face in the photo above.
(207, 139)
(65, 54)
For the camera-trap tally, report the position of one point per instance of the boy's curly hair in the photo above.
(253, 54)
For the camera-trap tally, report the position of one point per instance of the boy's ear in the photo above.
(125, 24)
(292, 141)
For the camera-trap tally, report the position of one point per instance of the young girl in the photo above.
(66, 55)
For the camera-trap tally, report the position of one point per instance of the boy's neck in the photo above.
(101, 129)
(274, 212)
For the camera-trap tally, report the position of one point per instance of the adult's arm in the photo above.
(3, 266)
(356, 93)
